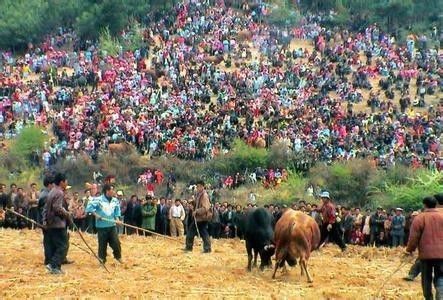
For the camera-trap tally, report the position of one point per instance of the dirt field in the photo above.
(156, 268)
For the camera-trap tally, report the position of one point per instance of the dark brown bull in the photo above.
(296, 235)
(119, 148)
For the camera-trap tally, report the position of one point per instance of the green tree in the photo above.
(30, 141)
(22, 22)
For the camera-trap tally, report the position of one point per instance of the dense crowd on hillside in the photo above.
(171, 217)
(198, 83)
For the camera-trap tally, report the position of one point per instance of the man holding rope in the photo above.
(201, 215)
(427, 235)
(55, 219)
(106, 209)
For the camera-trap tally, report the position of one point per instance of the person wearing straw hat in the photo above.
(106, 209)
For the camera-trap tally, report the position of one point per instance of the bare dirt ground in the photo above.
(156, 268)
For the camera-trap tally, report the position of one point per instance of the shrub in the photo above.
(279, 156)
(25, 148)
(108, 44)
(78, 170)
(240, 158)
(348, 182)
(410, 194)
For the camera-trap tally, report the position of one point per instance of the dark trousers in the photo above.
(192, 232)
(415, 269)
(33, 214)
(215, 230)
(109, 236)
(432, 271)
(80, 224)
(90, 221)
(335, 235)
(57, 243)
(46, 248)
(397, 240)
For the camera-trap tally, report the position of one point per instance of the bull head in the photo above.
(269, 247)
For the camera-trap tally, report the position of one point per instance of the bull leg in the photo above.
(304, 264)
(284, 270)
(302, 268)
(255, 258)
(263, 261)
(249, 251)
(276, 267)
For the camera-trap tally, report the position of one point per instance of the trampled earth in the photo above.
(157, 268)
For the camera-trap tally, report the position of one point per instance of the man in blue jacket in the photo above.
(106, 209)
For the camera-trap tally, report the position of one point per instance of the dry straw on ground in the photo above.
(156, 268)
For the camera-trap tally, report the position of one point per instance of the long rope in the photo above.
(25, 217)
(89, 247)
(387, 279)
(140, 229)
(75, 227)
(79, 247)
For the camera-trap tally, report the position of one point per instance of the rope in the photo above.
(25, 217)
(387, 279)
(89, 247)
(140, 229)
(75, 227)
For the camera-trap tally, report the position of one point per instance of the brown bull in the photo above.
(259, 143)
(120, 148)
(216, 60)
(245, 35)
(296, 235)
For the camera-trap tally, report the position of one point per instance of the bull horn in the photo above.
(267, 247)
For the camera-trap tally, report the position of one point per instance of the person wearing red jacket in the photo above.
(426, 234)
(330, 227)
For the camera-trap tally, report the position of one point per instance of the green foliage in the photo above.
(287, 192)
(284, 16)
(25, 21)
(391, 15)
(348, 182)
(409, 195)
(240, 158)
(30, 140)
(22, 21)
(108, 44)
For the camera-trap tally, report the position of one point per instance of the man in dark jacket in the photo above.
(347, 224)
(3, 196)
(215, 223)
(133, 214)
(161, 220)
(376, 222)
(427, 235)
(47, 183)
(56, 218)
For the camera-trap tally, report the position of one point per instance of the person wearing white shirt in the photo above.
(177, 215)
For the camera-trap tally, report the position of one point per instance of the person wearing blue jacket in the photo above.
(106, 209)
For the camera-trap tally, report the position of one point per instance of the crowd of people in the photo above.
(207, 75)
(168, 216)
